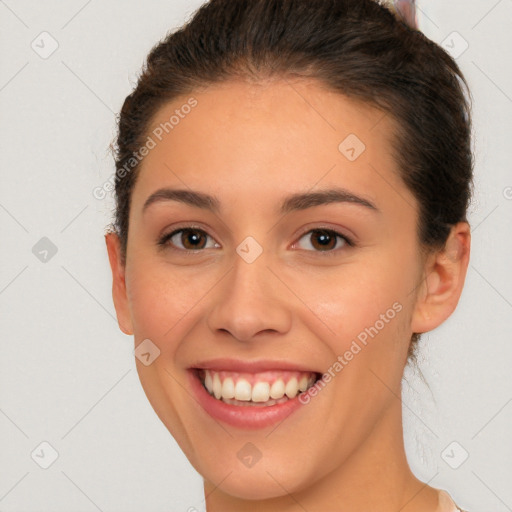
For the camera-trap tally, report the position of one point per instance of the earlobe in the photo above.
(119, 294)
(442, 281)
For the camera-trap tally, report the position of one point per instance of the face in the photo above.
(303, 262)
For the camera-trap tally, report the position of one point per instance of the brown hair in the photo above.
(356, 47)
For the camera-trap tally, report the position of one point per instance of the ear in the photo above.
(443, 280)
(118, 284)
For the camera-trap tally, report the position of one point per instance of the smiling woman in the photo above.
(283, 247)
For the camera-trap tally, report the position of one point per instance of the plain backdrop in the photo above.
(67, 373)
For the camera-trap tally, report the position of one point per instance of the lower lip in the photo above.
(248, 417)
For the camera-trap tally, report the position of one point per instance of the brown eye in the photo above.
(189, 239)
(325, 240)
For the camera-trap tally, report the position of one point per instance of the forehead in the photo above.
(268, 138)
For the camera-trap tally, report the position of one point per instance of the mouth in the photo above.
(261, 389)
(252, 394)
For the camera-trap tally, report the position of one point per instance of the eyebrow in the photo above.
(294, 202)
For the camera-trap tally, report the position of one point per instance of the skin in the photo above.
(251, 145)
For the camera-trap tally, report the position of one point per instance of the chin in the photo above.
(247, 484)
(267, 479)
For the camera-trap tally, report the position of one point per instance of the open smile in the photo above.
(250, 399)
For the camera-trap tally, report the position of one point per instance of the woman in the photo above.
(292, 184)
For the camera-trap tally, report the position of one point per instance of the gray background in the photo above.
(67, 373)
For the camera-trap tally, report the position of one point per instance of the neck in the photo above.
(376, 476)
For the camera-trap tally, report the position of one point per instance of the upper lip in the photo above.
(251, 366)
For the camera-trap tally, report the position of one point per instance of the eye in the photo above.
(195, 239)
(325, 240)
(190, 238)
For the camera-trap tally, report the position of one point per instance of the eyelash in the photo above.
(163, 242)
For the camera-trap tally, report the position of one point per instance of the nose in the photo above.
(250, 301)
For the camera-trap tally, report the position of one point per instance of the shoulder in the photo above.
(446, 504)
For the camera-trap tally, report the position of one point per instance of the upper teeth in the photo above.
(258, 387)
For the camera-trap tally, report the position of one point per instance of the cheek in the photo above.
(337, 303)
(345, 303)
(162, 299)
